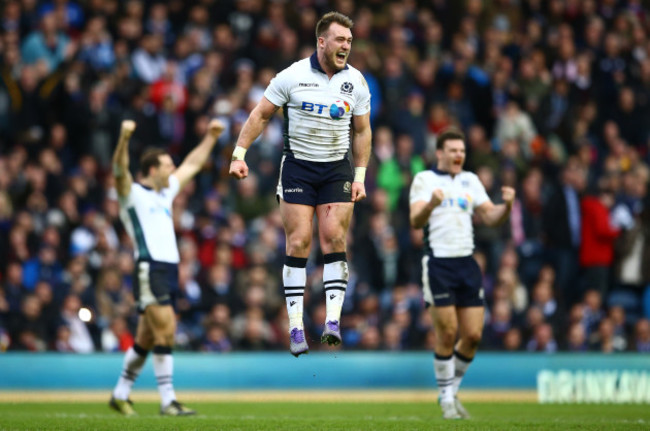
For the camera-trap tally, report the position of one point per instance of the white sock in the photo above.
(461, 363)
(335, 281)
(134, 360)
(443, 368)
(294, 278)
(163, 367)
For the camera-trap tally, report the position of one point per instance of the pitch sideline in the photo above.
(506, 396)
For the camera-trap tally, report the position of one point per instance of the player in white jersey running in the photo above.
(146, 211)
(442, 201)
(321, 97)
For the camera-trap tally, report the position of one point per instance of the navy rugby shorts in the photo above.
(452, 281)
(314, 183)
(155, 283)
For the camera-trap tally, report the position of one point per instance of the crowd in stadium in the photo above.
(553, 97)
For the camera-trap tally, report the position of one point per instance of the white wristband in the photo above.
(359, 175)
(238, 153)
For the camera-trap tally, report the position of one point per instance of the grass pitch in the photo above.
(311, 413)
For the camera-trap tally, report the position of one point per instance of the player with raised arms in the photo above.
(146, 212)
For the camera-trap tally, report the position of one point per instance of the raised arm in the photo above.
(494, 215)
(361, 145)
(421, 210)
(252, 128)
(123, 179)
(199, 155)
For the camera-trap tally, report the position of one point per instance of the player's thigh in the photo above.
(445, 319)
(298, 225)
(470, 321)
(333, 223)
(161, 319)
(143, 334)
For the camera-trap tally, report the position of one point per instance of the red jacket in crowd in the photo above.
(597, 245)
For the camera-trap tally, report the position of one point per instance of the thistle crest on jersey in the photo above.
(338, 109)
(347, 87)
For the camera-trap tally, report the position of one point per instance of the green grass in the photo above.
(325, 416)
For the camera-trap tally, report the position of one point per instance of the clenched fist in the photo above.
(215, 128)
(437, 197)
(127, 129)
(508, 195)
(238, 169)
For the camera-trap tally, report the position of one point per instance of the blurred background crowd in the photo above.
(553, 96)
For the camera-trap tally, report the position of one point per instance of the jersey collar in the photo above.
(439, 171)
(316, 65)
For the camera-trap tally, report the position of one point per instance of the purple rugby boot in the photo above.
(331, 333)
(298, 342)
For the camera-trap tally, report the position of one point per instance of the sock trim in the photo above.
(335, 257)
(162, 350)
(441, 357)
(341, 288)
(295, 262)
(335, 281)
(140, 350)
(462, 357)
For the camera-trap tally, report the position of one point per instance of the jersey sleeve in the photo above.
(420, 190)
(480, 195)
(278, 90)
(362, 106)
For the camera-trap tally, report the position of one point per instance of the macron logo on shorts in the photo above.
(294, 190)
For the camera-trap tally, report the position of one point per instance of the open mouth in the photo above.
(341, 56)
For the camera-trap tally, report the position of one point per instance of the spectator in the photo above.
(597, 245)
(642, 336)
(47, 44)
(80, 339)
(562, 228)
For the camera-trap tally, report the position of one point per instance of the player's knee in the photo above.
(334, 244)
(447, 336)
(144, 341)
(473, 339)
(164, 337)
(298, 246)
(166, 340)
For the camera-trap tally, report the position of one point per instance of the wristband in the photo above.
(238, 153)
(359, 174)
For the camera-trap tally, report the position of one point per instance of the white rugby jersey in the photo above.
(318, 110)
(449, 231)
(147, 217)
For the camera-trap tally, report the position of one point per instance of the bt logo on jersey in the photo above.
(336, 110)
(463, 202)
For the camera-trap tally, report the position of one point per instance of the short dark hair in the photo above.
(324, 24)
(150, 159)
(449, 135)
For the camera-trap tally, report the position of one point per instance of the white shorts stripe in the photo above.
(279, 190)
(146, 295)
(426, 287)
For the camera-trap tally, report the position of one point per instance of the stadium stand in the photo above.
(552, 96)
